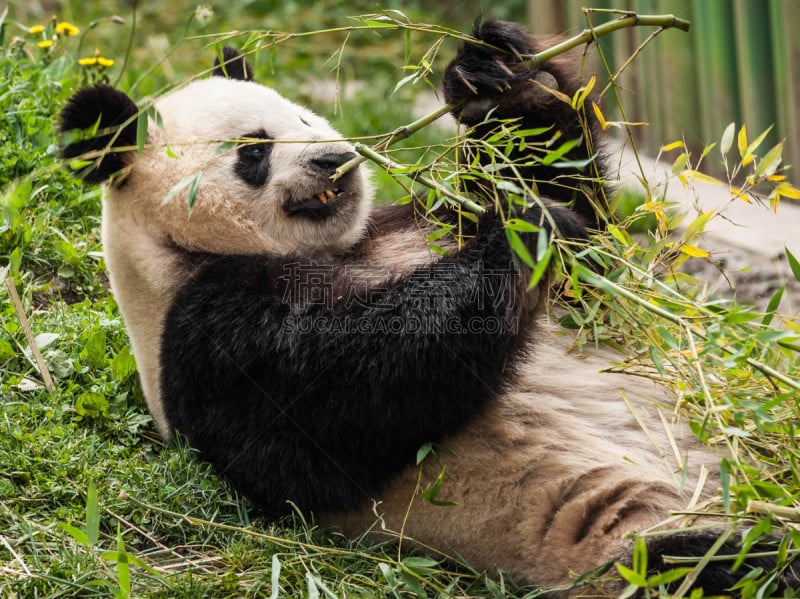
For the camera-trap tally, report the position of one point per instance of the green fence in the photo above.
(739, 62)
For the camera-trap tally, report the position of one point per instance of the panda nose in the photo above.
(328, 163)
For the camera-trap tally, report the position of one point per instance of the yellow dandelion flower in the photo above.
(87, 62)
(35, 29)
(104, 62)
(45, 43)
(67, 28)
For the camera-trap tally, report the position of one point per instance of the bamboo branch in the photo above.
(26, 326)
(763, 508)
(586, 36)
(370, 153)
(598, 280)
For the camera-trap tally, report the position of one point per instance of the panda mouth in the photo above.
(317, 206)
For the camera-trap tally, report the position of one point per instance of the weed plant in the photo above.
(92, 504)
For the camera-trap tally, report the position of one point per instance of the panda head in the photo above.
(257, 166)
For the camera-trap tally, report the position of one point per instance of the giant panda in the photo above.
(272, 327)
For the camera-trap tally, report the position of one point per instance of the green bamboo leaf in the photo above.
(771, 161)
(541, 266)
(667, 577)
(521, 225)
(559, 152)
(519, 248)
(772, 306)
(142, 124)
(697, 226)
(440, 232)
(632, 576)
(758, 141)
(680, 163)
(793, 263)
(178, 187)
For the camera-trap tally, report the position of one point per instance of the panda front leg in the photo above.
(491, 84)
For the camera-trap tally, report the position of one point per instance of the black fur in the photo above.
(233, 65)
(114, 113)
(252, 164)
(481, 73)
(717, 577)
(331, 385)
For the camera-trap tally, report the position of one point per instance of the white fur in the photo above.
(146, 238)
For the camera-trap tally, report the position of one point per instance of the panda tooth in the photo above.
(330, 193)
(322, 197)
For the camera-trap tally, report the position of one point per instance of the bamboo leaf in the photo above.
(793, 263)
(702, 177)
(787, 191)
(771, 161)
(521, 225)
(667, 577)
(600, 118)
(519, 248)
(697, 225)
(672, 146)
(727, 139)
(631, 576)
(694, 251)
(758, 141)
(680, 163)
(541, 266)
(559, 152)
(193, 180)
(741, 141)
(580, 96)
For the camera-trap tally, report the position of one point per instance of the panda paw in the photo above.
(481, 79)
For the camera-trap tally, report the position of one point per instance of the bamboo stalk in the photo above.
(767, 509)
(26, 326)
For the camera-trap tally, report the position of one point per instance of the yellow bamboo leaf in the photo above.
(787, 191)
(776, 178)
(600, 118)
(702, 177)
(748, 158)
(694, 251)
(774, 200)
(739, 194)
(673, 146)
(741, 141)
(580, 95)
(791, 325)
(654, 207)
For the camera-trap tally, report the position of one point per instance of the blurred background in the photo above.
(740, 61)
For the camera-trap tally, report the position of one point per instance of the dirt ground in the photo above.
(747, 242)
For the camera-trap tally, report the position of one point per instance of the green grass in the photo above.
(93, 504)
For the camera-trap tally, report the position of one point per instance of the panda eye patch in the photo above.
(252, 158)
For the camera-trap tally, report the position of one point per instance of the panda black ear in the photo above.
(232, 66)
(111, 115)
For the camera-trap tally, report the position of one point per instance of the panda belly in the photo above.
(311, 401)
(547, 483)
